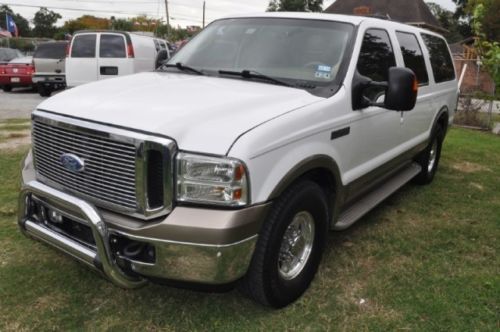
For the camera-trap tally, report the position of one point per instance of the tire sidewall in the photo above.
(310, 199)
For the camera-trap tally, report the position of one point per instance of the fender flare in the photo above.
(315, 162)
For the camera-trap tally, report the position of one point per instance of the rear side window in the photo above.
(112, 46)
(376, 56)
(83, 46)
(412, 56)
(50, 51)
(441, 63)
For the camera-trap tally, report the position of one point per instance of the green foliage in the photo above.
(295, 6)
(44, 22)
(457, 30)
(489, 50)
(490, 22)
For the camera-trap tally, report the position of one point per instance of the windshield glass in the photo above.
(289, 49)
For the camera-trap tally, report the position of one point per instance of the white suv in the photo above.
(231, 162)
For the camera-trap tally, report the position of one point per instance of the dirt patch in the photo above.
(15, 140)
(468, 167)
(477, 186)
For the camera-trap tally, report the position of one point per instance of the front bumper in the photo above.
(191, 244)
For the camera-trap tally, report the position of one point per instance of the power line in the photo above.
(176, 17)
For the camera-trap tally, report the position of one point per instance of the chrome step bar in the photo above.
(348, 217)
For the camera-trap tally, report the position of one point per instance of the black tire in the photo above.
(425, 158)
(7, 88)
(44, 91)
(264, 281)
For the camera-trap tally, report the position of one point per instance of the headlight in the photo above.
(211, 180)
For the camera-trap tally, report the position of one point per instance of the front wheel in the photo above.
(429, 158)
(290, 246)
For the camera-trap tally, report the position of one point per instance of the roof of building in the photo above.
(414, 12)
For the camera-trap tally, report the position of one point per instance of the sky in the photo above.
(182, 12)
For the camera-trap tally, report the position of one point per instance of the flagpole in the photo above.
(6, 25)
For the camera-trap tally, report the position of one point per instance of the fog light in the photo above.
(27, 206)
(43, 214)
(55, 217)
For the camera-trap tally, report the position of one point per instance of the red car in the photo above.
(16, 73)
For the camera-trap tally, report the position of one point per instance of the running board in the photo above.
(371, 200)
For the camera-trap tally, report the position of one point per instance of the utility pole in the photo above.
(203, 26)
(168, 17)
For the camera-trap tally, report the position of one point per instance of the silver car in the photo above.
(49, 61)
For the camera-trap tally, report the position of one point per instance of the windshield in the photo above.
(295, 50)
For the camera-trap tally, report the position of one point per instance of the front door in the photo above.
(375, 130)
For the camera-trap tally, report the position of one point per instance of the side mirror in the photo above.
(400, 91)
(161, 58)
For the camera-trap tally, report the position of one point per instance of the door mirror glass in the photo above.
(399, 93)
(402, 89)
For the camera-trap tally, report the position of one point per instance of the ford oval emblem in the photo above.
(72, 162)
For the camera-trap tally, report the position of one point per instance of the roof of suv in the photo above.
(353, 19)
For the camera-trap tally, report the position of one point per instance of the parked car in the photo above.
(49, 62)
(232, 164)
(97, 55)
(7, 54)
(17, 73)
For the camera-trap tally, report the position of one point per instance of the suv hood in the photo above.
(201, 113)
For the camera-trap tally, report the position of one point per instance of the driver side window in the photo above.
(375, 59)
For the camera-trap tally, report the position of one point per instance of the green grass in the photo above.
(427, 259)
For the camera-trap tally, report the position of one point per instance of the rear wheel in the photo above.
(7, 88)
(44, 91)
(290, 246)
(429, 158)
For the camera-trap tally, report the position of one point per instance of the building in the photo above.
(412, 12)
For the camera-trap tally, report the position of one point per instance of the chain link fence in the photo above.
(478, 104)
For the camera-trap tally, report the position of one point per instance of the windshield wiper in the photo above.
(182, 67)
(253, 74)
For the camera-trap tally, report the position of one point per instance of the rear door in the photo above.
(113, 60)
(81, 66)
(49, 58)
(414, 124)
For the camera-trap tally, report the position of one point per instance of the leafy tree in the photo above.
(122, 24)
(295, 6)
(449, 22)
(44, 22)
(489, 50)
(86, 22)
(489, 17)
(23, 25)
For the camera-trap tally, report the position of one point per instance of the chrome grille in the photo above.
(110, 165)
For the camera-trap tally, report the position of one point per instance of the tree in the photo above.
(449, 22)
(44, 22)
(490, 23)
(489, 50)
(295, 6)
(23, 25)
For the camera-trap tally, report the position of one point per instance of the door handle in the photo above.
(106, 70)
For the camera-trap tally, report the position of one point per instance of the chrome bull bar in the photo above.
(100, 260)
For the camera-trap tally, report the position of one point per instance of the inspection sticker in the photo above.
(323, 71)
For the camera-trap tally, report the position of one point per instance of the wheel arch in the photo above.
(321, 169)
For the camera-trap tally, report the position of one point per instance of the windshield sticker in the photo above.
(250, 31)
(323, 71)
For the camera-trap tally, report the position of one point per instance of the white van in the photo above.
(96, 55)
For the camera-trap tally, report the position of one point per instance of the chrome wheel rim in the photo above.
(432, 156)
(296, 245)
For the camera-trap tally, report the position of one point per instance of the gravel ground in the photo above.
(19, 103)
